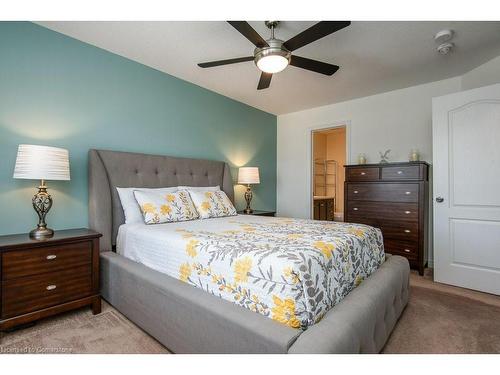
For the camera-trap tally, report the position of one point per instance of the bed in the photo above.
(189, 319)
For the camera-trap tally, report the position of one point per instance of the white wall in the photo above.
(399, 120)
(484, 75)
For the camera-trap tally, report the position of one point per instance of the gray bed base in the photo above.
(189, 320)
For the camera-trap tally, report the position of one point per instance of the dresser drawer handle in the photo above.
(51, 287)
(407, 250)
(363, 173)
(400, 172)
(356, 192)
(51, 257)
(407, 231)
(407, 212)
(407, 192)
(355, 209)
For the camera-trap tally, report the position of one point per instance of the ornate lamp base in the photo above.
(42, 202)
(248, 198)
(40, 233)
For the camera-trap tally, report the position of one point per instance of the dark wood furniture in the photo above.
(259, 213)
(395, 198)
(40, 278)
(324, 209)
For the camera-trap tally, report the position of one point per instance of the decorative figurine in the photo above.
(384, 158)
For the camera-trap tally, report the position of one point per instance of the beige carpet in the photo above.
(438, 319)
(81, 332)
(440, 322)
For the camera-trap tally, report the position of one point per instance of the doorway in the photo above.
(329, 151)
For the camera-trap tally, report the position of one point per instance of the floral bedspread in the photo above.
(290, 270)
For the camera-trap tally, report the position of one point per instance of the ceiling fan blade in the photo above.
(248, 32)
(313, 65)
(315, 32)
(264, 81)
(225, 62)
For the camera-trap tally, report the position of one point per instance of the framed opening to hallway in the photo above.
(329, 153)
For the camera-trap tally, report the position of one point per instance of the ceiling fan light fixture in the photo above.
(272, 59)
(273, 55)
(272, 63)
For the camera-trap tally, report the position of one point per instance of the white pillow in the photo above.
(212, 204)
(199, 188)
(130, 207)
(158, 207)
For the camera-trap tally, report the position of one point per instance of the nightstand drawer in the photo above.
(21, 296)
(23, 263)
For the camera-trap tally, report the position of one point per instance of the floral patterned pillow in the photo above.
(212, 204)
(159, 208)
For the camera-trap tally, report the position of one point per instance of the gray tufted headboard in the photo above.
(111, 169)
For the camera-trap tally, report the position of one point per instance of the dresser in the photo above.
(40, 278)
(395, 198)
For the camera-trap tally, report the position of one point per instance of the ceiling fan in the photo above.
(274, 55)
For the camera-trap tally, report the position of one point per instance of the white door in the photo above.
(466, 154)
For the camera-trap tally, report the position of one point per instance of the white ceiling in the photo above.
(373, 57)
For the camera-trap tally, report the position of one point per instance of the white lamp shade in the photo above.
(248, 175)
(42, 163)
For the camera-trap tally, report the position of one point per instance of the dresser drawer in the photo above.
(362, 174)
(407, 249)
(409, 172)
(383, 211)
(383, 192)
(400, 231)
(23, 263)
(362, 220)
(21, 296)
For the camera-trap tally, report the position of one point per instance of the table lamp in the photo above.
(42, 163)
(247, 176)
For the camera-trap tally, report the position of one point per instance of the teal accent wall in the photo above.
(57, 91)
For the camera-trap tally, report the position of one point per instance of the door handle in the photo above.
(439, 199)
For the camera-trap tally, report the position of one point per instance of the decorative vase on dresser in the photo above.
(395, 198)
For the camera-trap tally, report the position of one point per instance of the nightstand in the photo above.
(259, 213)
(40, 278)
